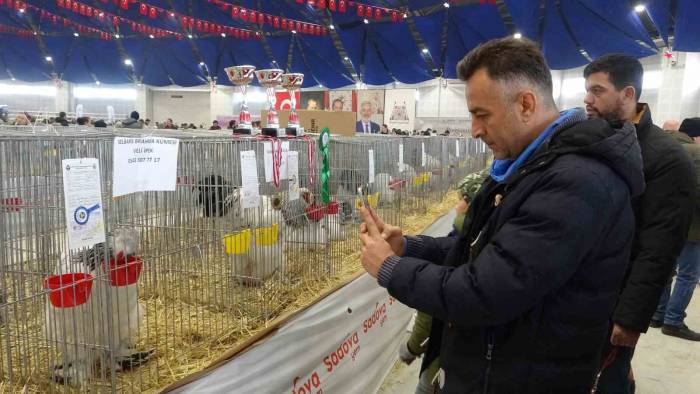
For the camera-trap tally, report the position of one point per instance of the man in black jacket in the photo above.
(662, 213)
(521, 298)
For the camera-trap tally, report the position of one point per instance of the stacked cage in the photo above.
(183, 274)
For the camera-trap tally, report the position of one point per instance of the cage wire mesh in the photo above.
(184, 270)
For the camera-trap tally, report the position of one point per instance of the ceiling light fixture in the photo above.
(639, 8)
(128, 62)
(517, 36)
(48, 58)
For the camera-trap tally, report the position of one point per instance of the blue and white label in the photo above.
(82, 190)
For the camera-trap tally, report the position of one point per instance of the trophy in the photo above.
(292, 82)
(270, 79)
(242, 76)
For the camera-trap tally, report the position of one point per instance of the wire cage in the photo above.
(184, 274)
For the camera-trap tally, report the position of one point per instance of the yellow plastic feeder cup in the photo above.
(373, 199)
(266, 236)
(238, 243)
(417, 180)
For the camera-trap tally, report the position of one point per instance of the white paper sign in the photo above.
(83, 202)
(267, 147)
(110, 114)
(144, 164)
(422, 154)
(293, 168)
(400, 157)
(457, 148)
(371, 166)
(79, 111)
(250, 190)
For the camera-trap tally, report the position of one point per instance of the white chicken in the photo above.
(305, 225)
(103, 328)
(262, 229)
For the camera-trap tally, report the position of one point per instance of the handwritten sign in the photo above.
(144, 164)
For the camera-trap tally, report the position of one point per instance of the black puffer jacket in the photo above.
(527, 290)
(663, 216)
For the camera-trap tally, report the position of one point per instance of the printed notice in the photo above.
(371, 166)
(144, 164)
(422, 154)
(293, 168)
(250, 189)
(269, 162)
(400, 157)
(457, 148)
(83, 201)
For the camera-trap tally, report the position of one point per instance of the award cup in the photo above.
(270, 79)
(242, 76)
(292, 82)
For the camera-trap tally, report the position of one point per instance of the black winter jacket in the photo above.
(527, 289)
(663, 216)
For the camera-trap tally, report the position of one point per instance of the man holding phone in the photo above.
(521, 297)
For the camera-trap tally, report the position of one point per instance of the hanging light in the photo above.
(189, 36)
(639, 8)
(294, 32)
(331, 27)
(116, 36)
(128, 62)
(517, 36)
(151, 36)
(223, 35)
(97, 83)
(446, 4)
(366, 22)
(48, 59)
(425, 50)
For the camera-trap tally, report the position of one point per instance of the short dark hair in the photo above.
(623, 70)
(82, 121)
(509, 59)
(134, 115)
(61, 114)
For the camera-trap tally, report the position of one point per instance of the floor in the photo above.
(661, 364)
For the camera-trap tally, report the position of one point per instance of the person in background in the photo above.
(337, 105)
(132, 122)
(365, 124)
(215, 125)
(4, 114)
(671, 125)
(192, 126)
(100, 123)
(312, 105)
(521, 299)
(232, 124)
(417, 343)
(670, 312)
(21, 120)
(142, 123)
(257, 124)
(663, 212)
(384, 129)
(62, 119)
(83, 121)
(147, 124)
(169, 124)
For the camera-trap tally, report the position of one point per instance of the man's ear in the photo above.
(629, 93)
(527, 105)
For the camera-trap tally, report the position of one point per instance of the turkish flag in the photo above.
(284, 100)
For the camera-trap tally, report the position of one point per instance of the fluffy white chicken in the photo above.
(265, 253)
(103, 328)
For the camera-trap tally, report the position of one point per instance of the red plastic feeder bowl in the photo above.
(333, 208)
(68, 290)
(125, 272)
(315, 212)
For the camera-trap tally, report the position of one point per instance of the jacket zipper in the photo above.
(489, 356)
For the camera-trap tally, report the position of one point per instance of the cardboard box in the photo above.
(341, 123)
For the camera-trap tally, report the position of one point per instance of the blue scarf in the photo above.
(502, 169)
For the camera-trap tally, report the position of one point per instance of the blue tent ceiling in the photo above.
(569, 31)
